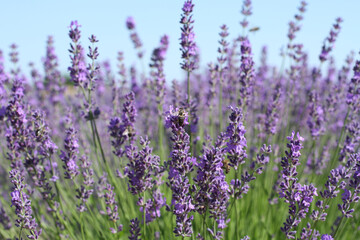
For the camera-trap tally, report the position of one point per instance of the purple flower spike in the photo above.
(236, 146)
(122, 130)
(78, 71)
(326, 237)
(213, 193)
(130, 24)
(22, 204)
(180, 165)
(69, 156)
(134, 229)
(187, 39)
(299, 197)
(329, 42)
(246, 73)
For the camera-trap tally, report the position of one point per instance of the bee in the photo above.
(254, 29)
(129, 131)
(226, 166)
(181, 115)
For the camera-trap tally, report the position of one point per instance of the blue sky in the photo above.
(28, 23)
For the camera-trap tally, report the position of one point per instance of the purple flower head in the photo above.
(329, 42)
(294, 26)
(134, 229)
(69, 156)
(74, 32)
(326, 237)
(213, 193)
(246, 11)
(5, 219)
(188, 7)
(180, 165)
(130, 23)
(177, 117)
(187, 39)
(20, 200)
(122, 130)
(246, 73)
(142, 168)
(78, 70)
(353, 94)
(236, 146)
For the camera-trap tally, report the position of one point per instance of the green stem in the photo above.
(340, 139)
(20, 232)
(99, 142)
(220, 106)
(236, 213)
(337, 228)
(82, 226)
(144, 209)
(161, 135)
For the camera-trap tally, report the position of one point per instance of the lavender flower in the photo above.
(329, 42)
(142, 167)
(157, 73)
(213, 193)
(22, 204)
(187, 40)
(246, 11)
(86, 189)
(180, 165)
(111, 205)
(351, 193)
(134, 229)
(53, 79)
(238, 188)
(353, 95)
(78, 71)
(236, 146)
(246, 73)
(130, 24)
(5, 219)
(294, 26)
(326, 237)
(69, 156)
(299, 197)
(123, 130)
(316, 116)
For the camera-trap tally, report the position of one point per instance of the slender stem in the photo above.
(204, 228)
(99, 142)
(337, 228)
(220, 106)
(144, 209)
(20, 232)
(82, 226)
(211, 122)
(188, 88)
(236, 215)
(161, 135)
(340, 139)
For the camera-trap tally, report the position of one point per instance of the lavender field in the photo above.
(242, 149)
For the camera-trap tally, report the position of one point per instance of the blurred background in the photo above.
(28, 23)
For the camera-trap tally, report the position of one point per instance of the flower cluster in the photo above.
(78, 71)
(213, 191)
(236, 146)
(130, 24)
(187, 40)
(22, 204)
(329, 42)
(122, 130)
(180, 165)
